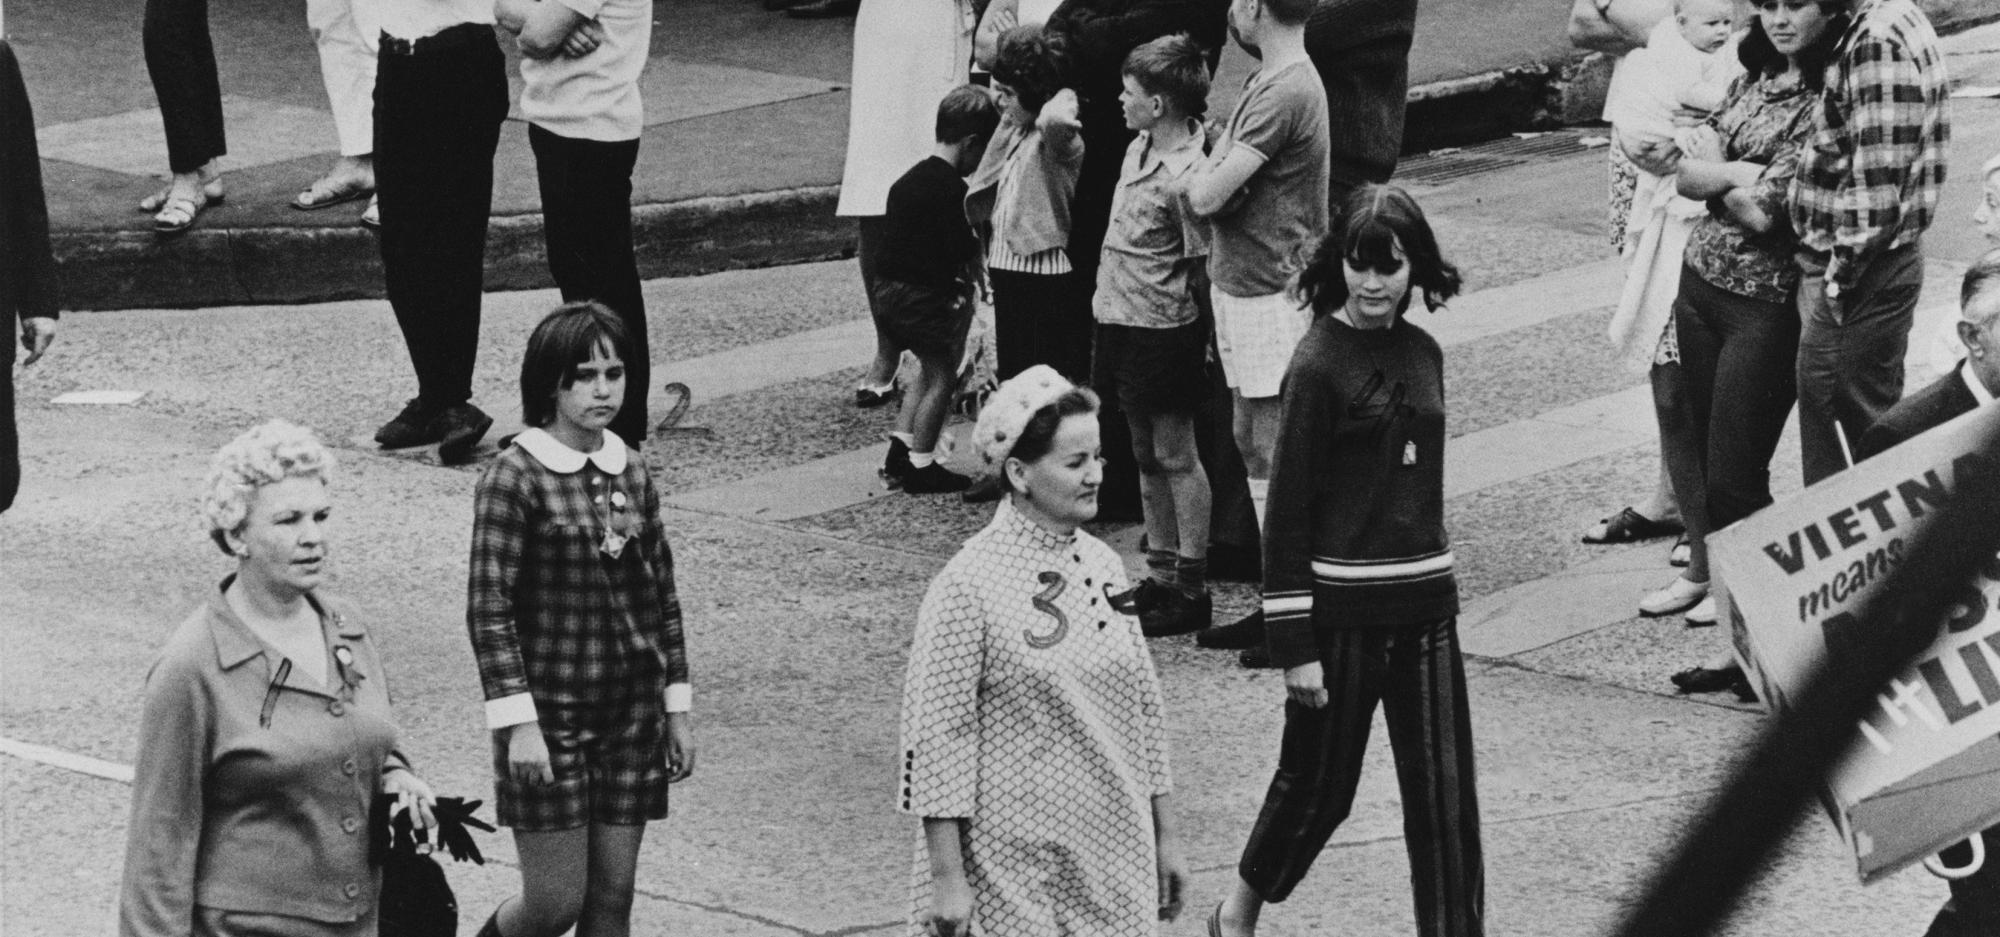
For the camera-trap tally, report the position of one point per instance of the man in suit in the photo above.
(1974, 908)
(27, 264)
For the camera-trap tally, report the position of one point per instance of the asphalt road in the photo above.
(1588, 764)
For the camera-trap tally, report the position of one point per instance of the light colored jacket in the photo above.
(1044, 166)
(251, 790)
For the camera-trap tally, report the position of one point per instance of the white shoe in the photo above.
(1702, 615)
(1679, 596)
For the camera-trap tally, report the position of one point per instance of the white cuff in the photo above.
(510, 711)
(680, 698)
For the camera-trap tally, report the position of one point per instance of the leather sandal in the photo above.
(1630, 526)
(324, 193)
(211, 189)
(179, 214)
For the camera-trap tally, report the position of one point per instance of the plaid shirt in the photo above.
(553, 615)
(1874, 169)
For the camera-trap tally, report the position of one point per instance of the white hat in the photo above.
(1007, 411)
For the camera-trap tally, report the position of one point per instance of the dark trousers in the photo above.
(1974, 910)
(1041, 319)
(10, 437)
(1850, 366)
(1417, 675)
(587, 228)
(180, 57)
(1736, 354)
(437, 123)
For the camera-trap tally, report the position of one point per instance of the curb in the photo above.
(282, 265)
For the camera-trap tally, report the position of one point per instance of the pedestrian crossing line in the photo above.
(68, 761)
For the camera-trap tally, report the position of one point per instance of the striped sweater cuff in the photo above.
(1288, 628)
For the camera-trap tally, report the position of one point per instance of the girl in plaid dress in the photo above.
(578, 636)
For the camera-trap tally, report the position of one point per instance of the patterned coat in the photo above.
(1032, 711)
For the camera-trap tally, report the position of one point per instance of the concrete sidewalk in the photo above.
(739, 165)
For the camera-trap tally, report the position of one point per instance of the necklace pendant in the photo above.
(614, 544)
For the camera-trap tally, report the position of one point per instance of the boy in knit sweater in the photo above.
(922, 291)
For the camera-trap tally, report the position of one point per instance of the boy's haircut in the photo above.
(1290, 12)
(565, 338)
(1173, 67)
(1371, 223)
(966, 111)
(1029, 63)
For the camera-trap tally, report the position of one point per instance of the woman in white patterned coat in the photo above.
(1033, 732)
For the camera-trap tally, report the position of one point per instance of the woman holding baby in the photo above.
(1735, 324)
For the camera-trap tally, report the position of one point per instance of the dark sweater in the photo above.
(1362, 51)
(926, 240)
(1354, 531)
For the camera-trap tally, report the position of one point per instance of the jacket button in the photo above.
(348, 767)
(352, 890)
(336, 708)
(349, 824)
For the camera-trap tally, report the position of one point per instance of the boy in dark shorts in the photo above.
(1152, 342)
(922, 294)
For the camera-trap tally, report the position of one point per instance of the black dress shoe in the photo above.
(458, 430)
(1245, 632)
(934, 479)
(1177, 613)
(824, 9)
(896, 465)
(415, 425)
(1706, 680)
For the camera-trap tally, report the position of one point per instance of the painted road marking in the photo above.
(55, 758)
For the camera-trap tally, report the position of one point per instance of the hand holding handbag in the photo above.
(416, 900)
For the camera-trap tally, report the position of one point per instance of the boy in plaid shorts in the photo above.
(1264, 190)
(577, 632)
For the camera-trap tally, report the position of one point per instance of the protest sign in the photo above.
(1924, 768)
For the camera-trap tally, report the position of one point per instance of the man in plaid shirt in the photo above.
(1866, 189)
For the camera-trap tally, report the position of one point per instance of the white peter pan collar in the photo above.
(557, 457)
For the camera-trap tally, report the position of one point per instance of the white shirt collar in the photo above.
(557, 457)
(1979, 391)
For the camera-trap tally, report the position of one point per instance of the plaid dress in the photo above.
(595, 639)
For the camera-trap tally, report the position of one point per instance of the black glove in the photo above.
(453, 815)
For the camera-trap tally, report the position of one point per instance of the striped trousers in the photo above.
(1415, 672)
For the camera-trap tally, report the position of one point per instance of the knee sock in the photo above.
(1260, 492)
(1160, 564)
(1191, 575)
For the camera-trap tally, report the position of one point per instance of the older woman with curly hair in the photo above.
(266, 735)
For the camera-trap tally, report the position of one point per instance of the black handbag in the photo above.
(416, 899)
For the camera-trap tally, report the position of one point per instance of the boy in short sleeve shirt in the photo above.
(1264, 191)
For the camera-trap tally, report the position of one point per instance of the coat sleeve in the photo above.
(940, 723)
(679, 692)
(163, 840)
(1305, 421)
(30, 281)
(501, 515)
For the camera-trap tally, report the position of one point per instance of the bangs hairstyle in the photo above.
(1763, 60)
(1039, 435)
(1029, 62)
(564, 339)
(967, 111)
(1371, 222)
(1173, 67)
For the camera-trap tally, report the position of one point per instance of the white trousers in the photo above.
(348, 33)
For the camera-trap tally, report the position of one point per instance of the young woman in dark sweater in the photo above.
(1359, 598)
